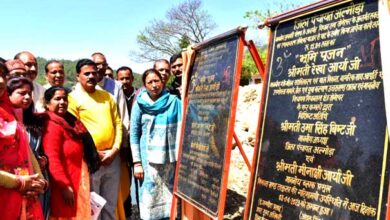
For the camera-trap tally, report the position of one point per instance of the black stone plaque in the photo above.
(323, 145)
(208, 113)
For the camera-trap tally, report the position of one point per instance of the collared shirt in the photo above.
(37, 95)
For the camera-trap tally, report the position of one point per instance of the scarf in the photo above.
(15, 159)
(161, 133)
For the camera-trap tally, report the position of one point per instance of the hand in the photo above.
(109, 156)
(68, 196)
(33, 183)
(42, 160)
(138, 171)
(32, 186)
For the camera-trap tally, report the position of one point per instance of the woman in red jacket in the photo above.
(62, 143)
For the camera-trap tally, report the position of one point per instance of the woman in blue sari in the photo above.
(155, 122)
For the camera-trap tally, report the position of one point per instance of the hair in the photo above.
(3, 69)
(160, 61)
(50, 62)
(49, 93)
(109, 68)
(2, 60)
(150, 71)
(17, 83)
(124, 68)
(175, 57)
(84, 62)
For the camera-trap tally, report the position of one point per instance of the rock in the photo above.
(247, 115)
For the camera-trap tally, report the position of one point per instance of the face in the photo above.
(87, 78)
(31, 65)
(101, 64)
(21, 98)
(153, 85)
(3, 83)
(109, 74)
(164, 70)
(55, 75)
(19, 73)
(177, 67)
(126, 78)
(59, 103)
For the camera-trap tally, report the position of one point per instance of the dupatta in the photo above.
(15, 159)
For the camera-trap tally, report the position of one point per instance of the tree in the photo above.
(184, 24)
(257, 17)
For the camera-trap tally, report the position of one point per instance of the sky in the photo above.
(74, 29)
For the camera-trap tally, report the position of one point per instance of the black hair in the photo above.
(109, 68)
(84, 62)
(175, 57)
(49, 93)
(124, 68)
(50, 62)
(17, 83)
(160, 61)
(3, 69)
(150, 71)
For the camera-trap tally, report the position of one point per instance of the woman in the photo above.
(154, 124)
(20, 178)
(63, 145)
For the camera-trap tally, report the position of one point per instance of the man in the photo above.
(97, 110)
(176, 62)
(114, 89)
(54, 74)
(16, 68)
(163, 67)
(125, 76)
(109, 73)
(30, 62)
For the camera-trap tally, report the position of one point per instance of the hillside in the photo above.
(70, 72)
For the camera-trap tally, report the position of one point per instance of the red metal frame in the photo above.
(272, 22)
(254, 159)
(199, 214)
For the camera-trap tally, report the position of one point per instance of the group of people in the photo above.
(58, 144)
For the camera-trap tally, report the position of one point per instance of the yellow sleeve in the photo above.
(35, 164)
(72, 105)
(8, 180)
(117, 124)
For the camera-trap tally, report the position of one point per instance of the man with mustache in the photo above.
(55, 75)
(97, 110)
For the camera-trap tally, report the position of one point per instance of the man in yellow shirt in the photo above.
(98, 112)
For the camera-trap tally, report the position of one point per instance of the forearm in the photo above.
(35, 164)
(8, 180)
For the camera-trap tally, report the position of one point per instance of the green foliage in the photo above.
(70, 73)
(249, 68)
(69, 69)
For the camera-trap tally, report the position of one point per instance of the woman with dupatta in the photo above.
(155, 118)
(21, 180)
(68, 171)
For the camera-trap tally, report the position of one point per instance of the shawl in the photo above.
(161, 132)
(15, 159)
(78, 131)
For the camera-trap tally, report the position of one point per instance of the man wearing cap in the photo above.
(16, 68)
